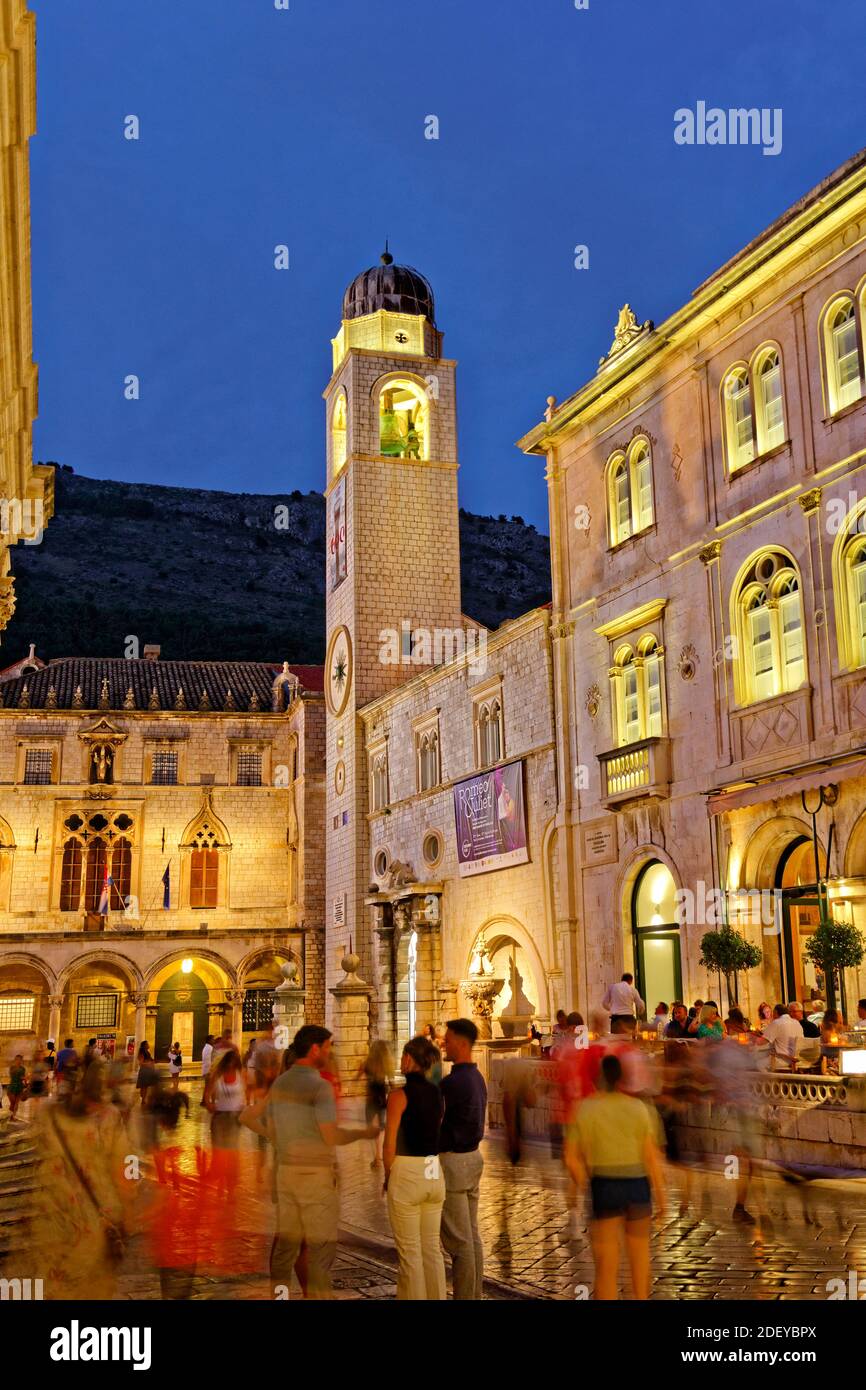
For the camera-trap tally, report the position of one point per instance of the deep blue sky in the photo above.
(306, 127)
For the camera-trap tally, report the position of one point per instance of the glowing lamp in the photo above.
(186, 966)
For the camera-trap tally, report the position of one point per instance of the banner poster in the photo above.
(105, 1045)
(490, 820)
(338, 535)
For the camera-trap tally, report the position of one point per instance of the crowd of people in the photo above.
(618, 1109)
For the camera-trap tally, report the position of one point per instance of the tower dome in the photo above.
(397, 288)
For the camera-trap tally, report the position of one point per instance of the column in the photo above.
(236, 999)
(55, 1006)
(289, 1006)
(140, 1002)
(383, 938)
(151, 1013)
(351, 1023)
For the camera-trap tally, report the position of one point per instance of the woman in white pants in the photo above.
(414, 1180)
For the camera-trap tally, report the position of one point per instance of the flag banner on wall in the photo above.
(490, 820)
(166, 887)
(337, 540)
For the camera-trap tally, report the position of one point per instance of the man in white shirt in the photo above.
(784, 1034)
(206, 1059)
(622, 1001)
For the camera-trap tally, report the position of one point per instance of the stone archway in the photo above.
(27, 997)
(512, 957)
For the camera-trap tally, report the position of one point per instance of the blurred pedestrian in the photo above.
(300, 1118)
(17, 1084)
(175, 1064)
(147, 1072)
(465, 1094)
(66, 1069)
(83, 1206)
(376, 1072)
(413, 1175)
(206, 1061)
(225, 1101)
(612, 1149)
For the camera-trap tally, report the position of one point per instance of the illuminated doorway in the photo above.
(656, 936)
(182, 1030)
(801, 917)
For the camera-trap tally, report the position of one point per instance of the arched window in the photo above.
(203, 877)
(94, 877)
(70, 876)
(769, 620)
(843, 353)
(739, 420)
(379, 782)
(403, 421)
(619, 501)
(121, 871)
(489, 730)
(771, 405)
(638, 692)
(630, 492)
(338, 434)
(655, 919)
(428, 761)
(650, 655)
(641, 484)
(204, 868)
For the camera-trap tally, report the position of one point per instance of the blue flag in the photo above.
(166, 887)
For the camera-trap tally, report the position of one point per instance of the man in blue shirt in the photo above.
(465, 1097)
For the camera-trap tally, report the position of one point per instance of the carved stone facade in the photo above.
(759, 383)
(206, 821)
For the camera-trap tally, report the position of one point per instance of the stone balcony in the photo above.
(635, 772)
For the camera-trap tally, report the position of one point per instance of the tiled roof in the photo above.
(88, 674)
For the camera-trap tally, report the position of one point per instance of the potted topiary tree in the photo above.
(834, 947)
(726, 952)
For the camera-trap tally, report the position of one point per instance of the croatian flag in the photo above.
(107, 885)
(166, 887)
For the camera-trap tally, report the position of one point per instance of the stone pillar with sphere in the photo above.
(351, 1024)
(289, 1006)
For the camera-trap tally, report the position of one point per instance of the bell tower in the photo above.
(393, 555)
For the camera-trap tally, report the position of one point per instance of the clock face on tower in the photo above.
(338, 670)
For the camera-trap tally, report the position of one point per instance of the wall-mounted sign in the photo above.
(490, 820)
(598, 841)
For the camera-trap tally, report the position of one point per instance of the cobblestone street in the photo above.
(806, 1234)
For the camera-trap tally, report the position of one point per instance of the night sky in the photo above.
(306, 127)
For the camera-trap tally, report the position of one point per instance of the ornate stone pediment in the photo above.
(102, 742)
(627, 332)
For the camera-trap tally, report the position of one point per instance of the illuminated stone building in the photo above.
(26, 490)
(708, 512)
(425, 709)
(198, 788)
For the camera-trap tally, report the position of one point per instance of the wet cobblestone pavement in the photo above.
(805, 1234)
